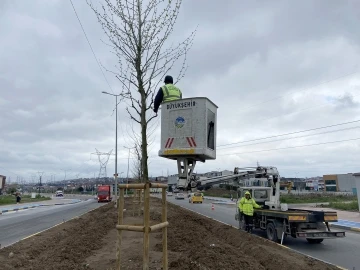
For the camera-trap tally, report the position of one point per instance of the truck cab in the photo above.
(104, 194)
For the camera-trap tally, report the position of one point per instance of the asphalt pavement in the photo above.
(343, 252)
(15, 226)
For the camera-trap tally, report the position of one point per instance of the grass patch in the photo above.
(219, 192)
(320, 197)
(315, 198)
(220, 196)
(351, 206)
(11, 199)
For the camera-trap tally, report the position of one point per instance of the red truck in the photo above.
(104, 194)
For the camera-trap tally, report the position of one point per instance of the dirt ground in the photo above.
(194, 242)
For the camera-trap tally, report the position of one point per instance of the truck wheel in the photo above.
(314, 241)
(271, 232)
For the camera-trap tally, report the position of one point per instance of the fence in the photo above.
(146, 228)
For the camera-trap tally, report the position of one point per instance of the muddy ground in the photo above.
(194, 242)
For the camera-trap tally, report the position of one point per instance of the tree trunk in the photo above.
(144, 154)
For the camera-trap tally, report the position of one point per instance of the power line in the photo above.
(309, 135)
(305, 89)
(301, 110)
(97, 61)
(290, 133)
(12, 172)
(290, 147)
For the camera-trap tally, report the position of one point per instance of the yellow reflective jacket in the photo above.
(247, 206)
(171, 92)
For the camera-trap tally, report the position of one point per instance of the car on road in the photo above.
(59, 193)
(169, 193)
(180, 196)
(196, 198)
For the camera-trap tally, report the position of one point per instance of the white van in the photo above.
(59, 193)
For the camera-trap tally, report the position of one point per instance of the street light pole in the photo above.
(127, 176)
(116, 152)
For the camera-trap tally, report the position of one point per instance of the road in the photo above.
(343, 252)
(15, 226)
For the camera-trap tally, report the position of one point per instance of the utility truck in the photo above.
(276, 218)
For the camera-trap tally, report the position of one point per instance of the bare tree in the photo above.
(138, 31)
(136, 168)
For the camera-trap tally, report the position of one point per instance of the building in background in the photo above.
(357, 184)
(340, 182)
(297, 183)
(172, 179)
(2, 184)
(315, 183)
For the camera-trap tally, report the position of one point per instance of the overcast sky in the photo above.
(272, 67)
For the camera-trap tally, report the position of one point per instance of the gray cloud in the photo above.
(347, 101)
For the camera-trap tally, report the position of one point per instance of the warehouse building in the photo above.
(340, 182)
(357, 183)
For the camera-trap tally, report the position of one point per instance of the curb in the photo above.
(339, 267)
(34, 206)
(76, 201)
(345, 227)
(17, 209)
(214, 199)
(226, 203)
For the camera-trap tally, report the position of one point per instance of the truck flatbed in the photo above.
(300, 215)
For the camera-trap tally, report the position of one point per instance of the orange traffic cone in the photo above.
(212, 207)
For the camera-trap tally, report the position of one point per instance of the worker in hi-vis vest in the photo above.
(246, 206)
(168, 92)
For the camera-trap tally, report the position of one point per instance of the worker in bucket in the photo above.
(168, 92)
(246, 207)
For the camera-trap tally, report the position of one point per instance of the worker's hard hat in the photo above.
(247, 193)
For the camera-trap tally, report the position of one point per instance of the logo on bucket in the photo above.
(179, 122)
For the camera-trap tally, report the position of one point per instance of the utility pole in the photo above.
(40, 175)
(52, 182)
(127, 175)
(65, 177)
